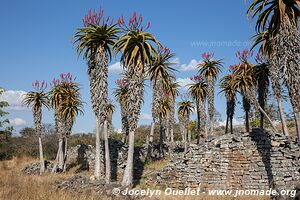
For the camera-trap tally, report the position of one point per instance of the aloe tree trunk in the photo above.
(124, 119)
(231, 124)
(227, 124)
(211, 101)
(97, 172)
(135, 95)
(203, 120)
(246, 106)
(198, 120)
(150, 143)
(286, 47)
(60, 131)
(172, 120)
(107, 156)
(37, 115)
(276, 86)
(42, 162)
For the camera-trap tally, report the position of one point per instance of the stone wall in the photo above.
(246, 161)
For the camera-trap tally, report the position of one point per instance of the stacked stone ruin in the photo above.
(257, 160)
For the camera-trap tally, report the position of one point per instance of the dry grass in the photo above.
(16, 186)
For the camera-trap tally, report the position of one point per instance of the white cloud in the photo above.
(145, 116)
(184, 82)
(14, 98)
(235, 122)
(115, 68)
(189, 67)
(17, 122)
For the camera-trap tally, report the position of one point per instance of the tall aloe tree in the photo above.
(261, 76)
(71, 107)
(37, 99)
(67, 103)
(172, 91)
(185, 108)
(280, 18)
(159, 73)
(121, 94)
(210, 69)
(266, 49)
(227, 86)
(198, 91)
(95, 40)
(245, 81)
(136, 47)
(164, 109)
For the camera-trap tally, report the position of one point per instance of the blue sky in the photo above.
(36, 44)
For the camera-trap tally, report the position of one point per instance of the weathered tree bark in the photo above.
(198, 121)
(297, 117)
(150, 143)
(247, 121)
(185, 139)
(172, 135)
(161, 138)
(128, 173)
(227, 122)
(42, 162)
(282, 117)
(135, 95)
(231, 125)
(61, 143)
(37, 117)
(65, 155)
(97, 172)
(107, 157)
(211, 101)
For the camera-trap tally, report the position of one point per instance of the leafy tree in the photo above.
(280, 19)
(37, 99)
(67, 103)
(136, 47)
(95, 41)
(185, 108)
(159, 73)
(227, 86)
(266, 49)
(209, 69)
(198, 91)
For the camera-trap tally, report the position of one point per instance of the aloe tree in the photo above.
(37, 99)
(164, 109)
(121, 94)
(198, 91)
(71, 107)
(185, 108)
(261, 76)
(66, 101)
(264, 40)
(227, 86)
(245, 81)
(137, 51)
(95, 41)
(159, 73)
(280, 18)
(171, 93)
(209, 69)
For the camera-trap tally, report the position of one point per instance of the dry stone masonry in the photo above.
(258, 160)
